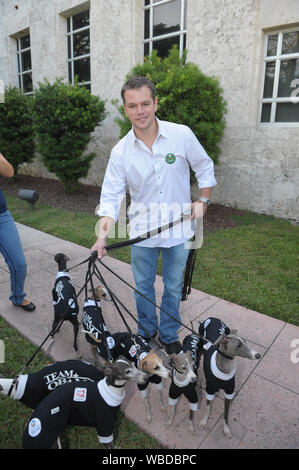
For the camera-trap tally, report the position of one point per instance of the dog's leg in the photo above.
(204, 421)
(76, 331)
(54, 326)
(192, 417)
(159, 388)
(226, 429)
(95, 355)
(56, 444)
(172, 402)
(145, 395)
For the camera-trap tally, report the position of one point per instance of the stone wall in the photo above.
(258, 167)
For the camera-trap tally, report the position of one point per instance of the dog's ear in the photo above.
(224, 342)
(190, 355)
(233, 332)
(105, 366)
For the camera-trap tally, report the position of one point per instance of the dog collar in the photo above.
(177, 382)
(112, 399)
(218, 373)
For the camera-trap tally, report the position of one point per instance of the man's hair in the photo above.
(138, 82)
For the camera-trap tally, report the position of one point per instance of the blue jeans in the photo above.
(11, 249)
(144, 266)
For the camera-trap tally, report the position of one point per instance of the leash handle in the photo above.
(148, 234)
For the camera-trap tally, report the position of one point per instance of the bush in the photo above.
(16, 131)
(186, 96)
(64, 118)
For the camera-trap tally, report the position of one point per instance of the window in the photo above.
(280, 99)
(164, 24)
(78, 47)
(24, 64)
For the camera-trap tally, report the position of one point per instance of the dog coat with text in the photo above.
(216, 380)
(176, 389)
(64, 297)
(92, 322)
(134, 348)
(90, 404)
(31, 389)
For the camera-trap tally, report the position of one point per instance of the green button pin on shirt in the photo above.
(170, 158)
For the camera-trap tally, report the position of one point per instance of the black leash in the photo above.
(115, 300)
(92, 270)
(142, 295)
(148, 234)
(216, 344)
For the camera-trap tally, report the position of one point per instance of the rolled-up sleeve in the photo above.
(113, 188)
(200, 162)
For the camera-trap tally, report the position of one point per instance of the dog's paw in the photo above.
(227, 431)
(203, 423)
(148, 418)
(192, 428)
(169, 422)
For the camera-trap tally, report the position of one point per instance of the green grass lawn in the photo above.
(254, 264)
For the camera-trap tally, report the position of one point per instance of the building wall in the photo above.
(258, 168)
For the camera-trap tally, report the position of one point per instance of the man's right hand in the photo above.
(104, 228)
(99, 247)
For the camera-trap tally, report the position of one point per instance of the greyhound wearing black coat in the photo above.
(88, 403)
(184, 378)
(64, 299)
(219, 365)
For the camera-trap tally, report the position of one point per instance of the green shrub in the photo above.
(16, 131)
(186, 96)
(64, 118)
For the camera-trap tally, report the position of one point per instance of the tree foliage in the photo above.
(16, 131)
(185, 96)
(64, 118)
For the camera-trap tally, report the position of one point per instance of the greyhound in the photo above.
(219, 364)
(64, 299)
(184, 378)
(93, 404)
(132, 346)
(135, 348)
(92, 321)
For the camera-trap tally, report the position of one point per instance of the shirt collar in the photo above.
(161, 131)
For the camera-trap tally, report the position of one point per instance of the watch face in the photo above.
(205, 201)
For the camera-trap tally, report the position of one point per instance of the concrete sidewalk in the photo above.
(264, 413)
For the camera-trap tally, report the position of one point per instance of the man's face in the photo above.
(140, 108)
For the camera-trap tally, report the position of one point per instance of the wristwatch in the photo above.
(205, 200)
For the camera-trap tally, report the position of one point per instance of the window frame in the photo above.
(72, 59)
(278, 58)
(182, 33)
(20, 72)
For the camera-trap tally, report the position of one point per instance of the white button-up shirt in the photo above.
(158, 182)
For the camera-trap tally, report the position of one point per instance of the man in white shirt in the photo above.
(153, 160)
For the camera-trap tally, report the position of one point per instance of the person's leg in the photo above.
(11, 248)
(173, 266)
(144, 266)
